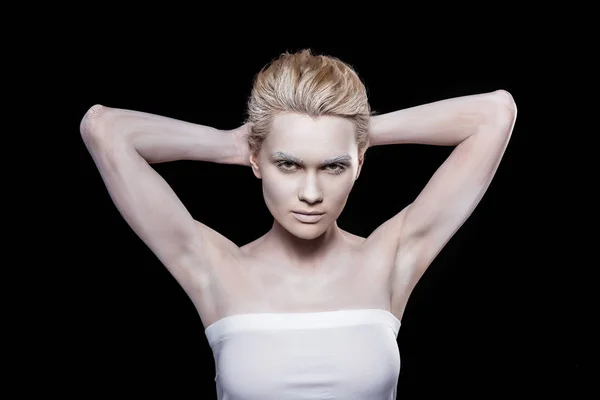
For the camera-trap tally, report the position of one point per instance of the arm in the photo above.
(480, 126)
(122, 143)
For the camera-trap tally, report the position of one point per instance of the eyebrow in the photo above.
(344, 158)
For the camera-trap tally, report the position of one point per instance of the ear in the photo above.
(254, 165)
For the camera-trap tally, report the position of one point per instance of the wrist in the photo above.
(239, 143)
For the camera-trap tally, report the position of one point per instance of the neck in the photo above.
(304, 253)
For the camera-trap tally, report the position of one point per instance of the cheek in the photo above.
(340, 189)
(277, 188)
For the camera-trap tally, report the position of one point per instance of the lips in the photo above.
(306, 218)
(308, 212)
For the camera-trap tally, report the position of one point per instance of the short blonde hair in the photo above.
(315, 85)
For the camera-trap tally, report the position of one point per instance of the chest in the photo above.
(349, 281)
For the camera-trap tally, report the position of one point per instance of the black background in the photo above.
(494, 313)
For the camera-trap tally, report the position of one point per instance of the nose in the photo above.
(310, 190)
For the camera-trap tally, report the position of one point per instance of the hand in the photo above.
(241, 144)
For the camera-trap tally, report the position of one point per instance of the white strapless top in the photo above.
(345, 354)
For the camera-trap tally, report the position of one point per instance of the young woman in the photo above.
(307, 311)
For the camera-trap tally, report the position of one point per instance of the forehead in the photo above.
(300, 133)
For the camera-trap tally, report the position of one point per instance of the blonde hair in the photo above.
(315, 85)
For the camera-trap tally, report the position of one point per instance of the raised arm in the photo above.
(480, 126)
(122, 143)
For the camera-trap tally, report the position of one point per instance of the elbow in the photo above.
(505, 101)
(97, 127)
(89, 126)
(503, 109)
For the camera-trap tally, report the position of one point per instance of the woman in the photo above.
(307, 311)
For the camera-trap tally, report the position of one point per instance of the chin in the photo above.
(306, 231)
(307, 234)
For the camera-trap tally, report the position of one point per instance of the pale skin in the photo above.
(301, 266)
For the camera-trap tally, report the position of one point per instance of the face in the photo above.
(307, 165)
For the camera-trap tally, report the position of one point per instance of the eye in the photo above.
(336, 168)
(285, 165)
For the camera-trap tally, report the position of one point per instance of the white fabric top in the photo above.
(345, 354)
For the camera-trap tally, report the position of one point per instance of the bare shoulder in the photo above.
(251, 247)
(353, 239)
(215, 252)
(220, 247)
(385, 237)
(378, 250)
(218, 240)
